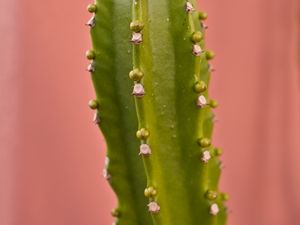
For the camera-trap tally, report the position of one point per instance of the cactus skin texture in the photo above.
(158, 120)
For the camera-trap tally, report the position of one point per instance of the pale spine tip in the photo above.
(138, 90)
(96, 118)
(136, 38)
(91, 67)
(145, 149)
(153, 207)
(211, 68)
(189, 8)
(106, 162)
(204, 26)
(92, 22)
(201, 101)
(197, 50)
(106, 175)
(206, 156)
(214, 209)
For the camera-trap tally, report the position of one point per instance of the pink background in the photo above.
(51, 155)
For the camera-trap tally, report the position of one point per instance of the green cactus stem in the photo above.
(115, 111)
(150, 69)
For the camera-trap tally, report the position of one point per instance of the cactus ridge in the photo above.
(151, 73)
(111, 59)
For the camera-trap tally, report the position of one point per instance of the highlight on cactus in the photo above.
(151, 71)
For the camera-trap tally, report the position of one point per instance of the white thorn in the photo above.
(197, 50)
(91, 67)
(106, 162)
(205, 26)
(92, 22)
(153, 207)
(137, 38)
(211, 68)
(106, 175)
(214, 209)
(96, 119)
(206, 156)
(145, 149)
(201, 102)
(138, 90)
(189, 7)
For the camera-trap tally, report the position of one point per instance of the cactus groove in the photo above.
(150, 69)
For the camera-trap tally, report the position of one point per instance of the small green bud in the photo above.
(200, 87)
(115, 213)
(93, 104)
(204, 142)
(136, 26)
(209, 55)
(150, 192)
(213, 104)
(224, 196)
(147, 193)
(197, 37)
(203, 15)
(218, 151)
(90, 54)
(92, 8)
(136, 75)
(211, 195)
(142, 134)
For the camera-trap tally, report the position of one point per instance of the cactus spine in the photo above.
(170, 171)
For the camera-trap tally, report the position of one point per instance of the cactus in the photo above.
(151, 72)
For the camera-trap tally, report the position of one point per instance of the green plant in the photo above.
(151, 73)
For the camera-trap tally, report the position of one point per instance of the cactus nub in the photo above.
(145, 149)
(197, 50)
(137, 38)
(138, 90)
(92, 8)
(91, 67)
(203, 15)
(206, 156)
(200, 87)
(93, 104)
(90, 54)
(153, 207)
(91, 22)
(151, 74)
(214, 209)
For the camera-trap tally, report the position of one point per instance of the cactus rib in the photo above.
(118, 123)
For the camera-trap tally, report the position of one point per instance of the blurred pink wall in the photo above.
(51, 155)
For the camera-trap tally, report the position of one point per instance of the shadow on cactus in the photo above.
(151, 73)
